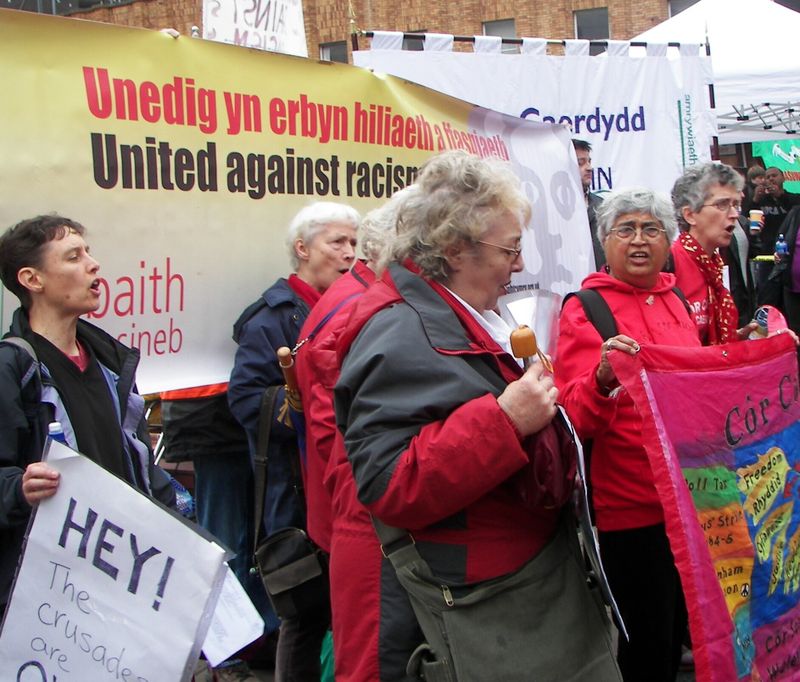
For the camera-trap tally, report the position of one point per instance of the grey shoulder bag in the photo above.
(541, 622)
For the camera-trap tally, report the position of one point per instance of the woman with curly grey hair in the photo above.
(446, 437)
(707, 200)
(635, 227)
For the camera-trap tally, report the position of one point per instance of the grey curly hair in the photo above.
(457, 195)
(692, 188)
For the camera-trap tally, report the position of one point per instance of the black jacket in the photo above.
(25, 412)
(740, 275)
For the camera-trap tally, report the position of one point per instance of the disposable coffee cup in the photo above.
(755, 221)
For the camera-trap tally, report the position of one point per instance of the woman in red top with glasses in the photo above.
(707, 200)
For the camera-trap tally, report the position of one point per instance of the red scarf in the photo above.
(722, 313)
(304, 290)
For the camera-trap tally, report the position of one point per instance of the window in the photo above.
(54, 6)
(64, 7)
(505, 28)
(592, 24)
(415, 44)
(677, 6)
(334, 52)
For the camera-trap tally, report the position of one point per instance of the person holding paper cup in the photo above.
(80, 376)
(775, 202)
(756, 221)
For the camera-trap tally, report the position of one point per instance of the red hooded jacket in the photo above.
(317, 372)
(622, 481)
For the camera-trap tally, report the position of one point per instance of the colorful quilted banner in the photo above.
(721, 430)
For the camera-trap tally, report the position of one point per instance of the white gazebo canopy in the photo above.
(756, 64)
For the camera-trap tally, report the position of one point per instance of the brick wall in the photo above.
(154, 14)
(550, 19)
(329, 20)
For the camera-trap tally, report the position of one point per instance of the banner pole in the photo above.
(712, 102)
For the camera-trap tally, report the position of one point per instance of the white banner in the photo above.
(274, 25)
(111, 587)
(557, 248)
(646, 117)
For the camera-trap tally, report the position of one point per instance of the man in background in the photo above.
(583, 150)
(776, 203)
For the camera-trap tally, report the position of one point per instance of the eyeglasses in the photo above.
(649, 233)
(507, 249)
(725, 205)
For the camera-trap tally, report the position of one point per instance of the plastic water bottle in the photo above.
(55, 432)
(781, 247)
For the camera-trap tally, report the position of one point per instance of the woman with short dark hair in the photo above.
(81, 377)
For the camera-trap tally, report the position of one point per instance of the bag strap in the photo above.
(597, 311)
(682, 296)
(33, 370)
(325, 321)
(398, 546)
(600, 315)
(392, 541)
(265, 418)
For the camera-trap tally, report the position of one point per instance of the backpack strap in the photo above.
(26, 347)
(597, 311)
(599, 314)
(682, 296)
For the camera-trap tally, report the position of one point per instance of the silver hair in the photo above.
(457, 196)
(379, 227)
(635, 200)
(692, 188)
(312, 219)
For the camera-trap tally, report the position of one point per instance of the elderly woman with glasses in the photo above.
(707, 200)
(447, 438)
(635, 227)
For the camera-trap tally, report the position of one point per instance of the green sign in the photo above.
(783, 154)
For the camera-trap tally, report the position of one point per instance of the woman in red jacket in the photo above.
(707, 200)
(442, 434)
(635, 227)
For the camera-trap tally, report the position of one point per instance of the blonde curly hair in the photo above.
(457, 196)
